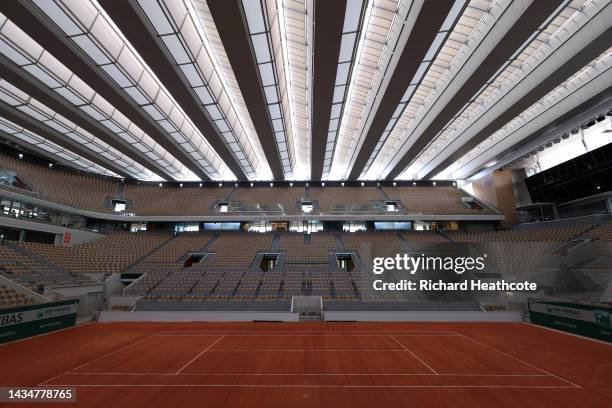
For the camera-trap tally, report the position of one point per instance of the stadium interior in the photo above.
(190, 187)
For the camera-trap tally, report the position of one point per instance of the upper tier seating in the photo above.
(270, 198)
(433, 200)
(84, 192)
(330, 198)
(154, 200)
(92, 193)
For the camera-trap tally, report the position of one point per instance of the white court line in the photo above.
(414, 355)
(99, 358)
(306, 335)
(302, 350)
(317, 374)
(202, 352)
(520, 361)
(312, 386)
(230, 332)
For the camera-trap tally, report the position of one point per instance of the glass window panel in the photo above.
(137, 95)
(71, 96)
(117, 75)
(346, 47)
(267, 74)
(91, 49)
(152, 110)
(41, 75)
(157, 16)
(16, 56)
(176, 48)
(254, 15)
(275, 111)
(260, 44)
(58, 16)
(351, 16)
(192, 75)
(271, 95)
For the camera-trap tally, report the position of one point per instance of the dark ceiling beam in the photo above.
(562, 73)
(329, 21)
(231, 25)
(134, 28)
(36, 89)
(27, 122)
(529, 22)
(426, 27)
(597, 105)
(52, 40)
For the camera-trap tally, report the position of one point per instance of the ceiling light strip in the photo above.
(346, 62)
(381, 29)
(22, 50)
(534, 53)
(270, 73)
(21, 135)
(591, 74)
(181, 31)
(294, 22)
(446, 56)
(93, 32)
(42, 114)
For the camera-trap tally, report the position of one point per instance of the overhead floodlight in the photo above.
(20, 156)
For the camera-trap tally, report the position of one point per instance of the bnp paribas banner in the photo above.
(26, 321)
(586, 320)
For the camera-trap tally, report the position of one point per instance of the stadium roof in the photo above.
(296, 89)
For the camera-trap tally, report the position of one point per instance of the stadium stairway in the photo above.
(275, 245)
(151, 252)
(383, 193)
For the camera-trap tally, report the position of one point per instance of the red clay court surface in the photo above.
(182, 365)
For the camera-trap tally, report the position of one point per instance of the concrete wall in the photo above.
(424, 316)
(497, 188)
(521, 192)
(197, 316)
